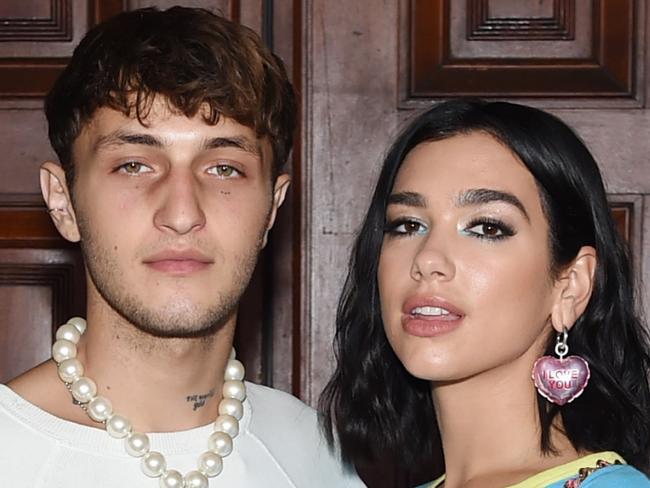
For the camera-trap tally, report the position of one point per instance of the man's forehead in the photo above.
(170, 124)
(164, 126)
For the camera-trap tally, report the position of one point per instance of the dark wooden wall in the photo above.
(363, 67)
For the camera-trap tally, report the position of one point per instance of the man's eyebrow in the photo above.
(479, 196)
(121, 137)
(240, 142)
(408, 198)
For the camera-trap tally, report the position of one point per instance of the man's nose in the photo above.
(179, 210)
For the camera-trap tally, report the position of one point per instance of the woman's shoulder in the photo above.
(616, 475)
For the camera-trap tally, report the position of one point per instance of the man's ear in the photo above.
(279, 193)
(57, 198)
(573, 289)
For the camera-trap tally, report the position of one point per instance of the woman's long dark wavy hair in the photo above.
(379, 412)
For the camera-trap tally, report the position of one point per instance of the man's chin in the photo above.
(185, 320)
(180, 331)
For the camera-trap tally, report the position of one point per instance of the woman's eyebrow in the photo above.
(479, 196)
(407, 198)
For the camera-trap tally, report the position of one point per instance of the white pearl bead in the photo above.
(79, 323)
(234, 370)
(195, 479)
(137, 444)
(70, 370)
(83, 390)
(153, 464)
(232, 407)
(234, 389)
(118, 426)
(227, 424)
(171, 479)
(62, 350)
(100, 408)
(68, 332)
(210, 464)
(220, 443)
(233, 354)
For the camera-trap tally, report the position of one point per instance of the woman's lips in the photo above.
(429, 317)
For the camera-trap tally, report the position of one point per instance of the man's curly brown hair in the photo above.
(191, 57)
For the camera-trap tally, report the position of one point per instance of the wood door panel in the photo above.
(24, 143)
(514, 19)
(38, 38)
(530, 48)
(39, 290)
(27, 311)
(36, 21)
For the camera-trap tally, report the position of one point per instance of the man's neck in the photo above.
(159, 384)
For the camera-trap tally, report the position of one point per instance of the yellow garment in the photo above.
(558, 473)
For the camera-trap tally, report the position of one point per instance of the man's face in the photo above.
(172, 215)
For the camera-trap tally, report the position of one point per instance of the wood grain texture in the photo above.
(618, 139)
(350, 116)
(284, 244)
(29, 64)
(442, 61)
(529, 21)
(228, 8)
(39, 290)
(25, 22)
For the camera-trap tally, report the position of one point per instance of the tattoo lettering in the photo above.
(198, 401)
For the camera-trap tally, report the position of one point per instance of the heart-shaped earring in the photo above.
(561, 380)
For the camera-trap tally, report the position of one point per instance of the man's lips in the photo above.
(178, 262)
(430, 316)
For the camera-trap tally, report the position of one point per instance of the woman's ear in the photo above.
(573, 289)
(57, 198)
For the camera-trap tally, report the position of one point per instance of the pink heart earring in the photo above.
(561, 380)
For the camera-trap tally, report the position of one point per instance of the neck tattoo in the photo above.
(136, 444)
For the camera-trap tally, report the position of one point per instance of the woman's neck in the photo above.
(490, 428)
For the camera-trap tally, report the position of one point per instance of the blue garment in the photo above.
(614, 476)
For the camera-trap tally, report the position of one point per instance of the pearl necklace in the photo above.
(136, 444)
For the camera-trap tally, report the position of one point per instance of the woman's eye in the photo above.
(490, 230)
(406, 227)
(224, 171)
(134, 168)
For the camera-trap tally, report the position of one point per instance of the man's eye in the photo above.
(224, 171)
(134, 168)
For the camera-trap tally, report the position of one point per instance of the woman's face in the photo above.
(464, 271)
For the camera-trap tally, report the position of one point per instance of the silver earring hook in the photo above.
(561, 346)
